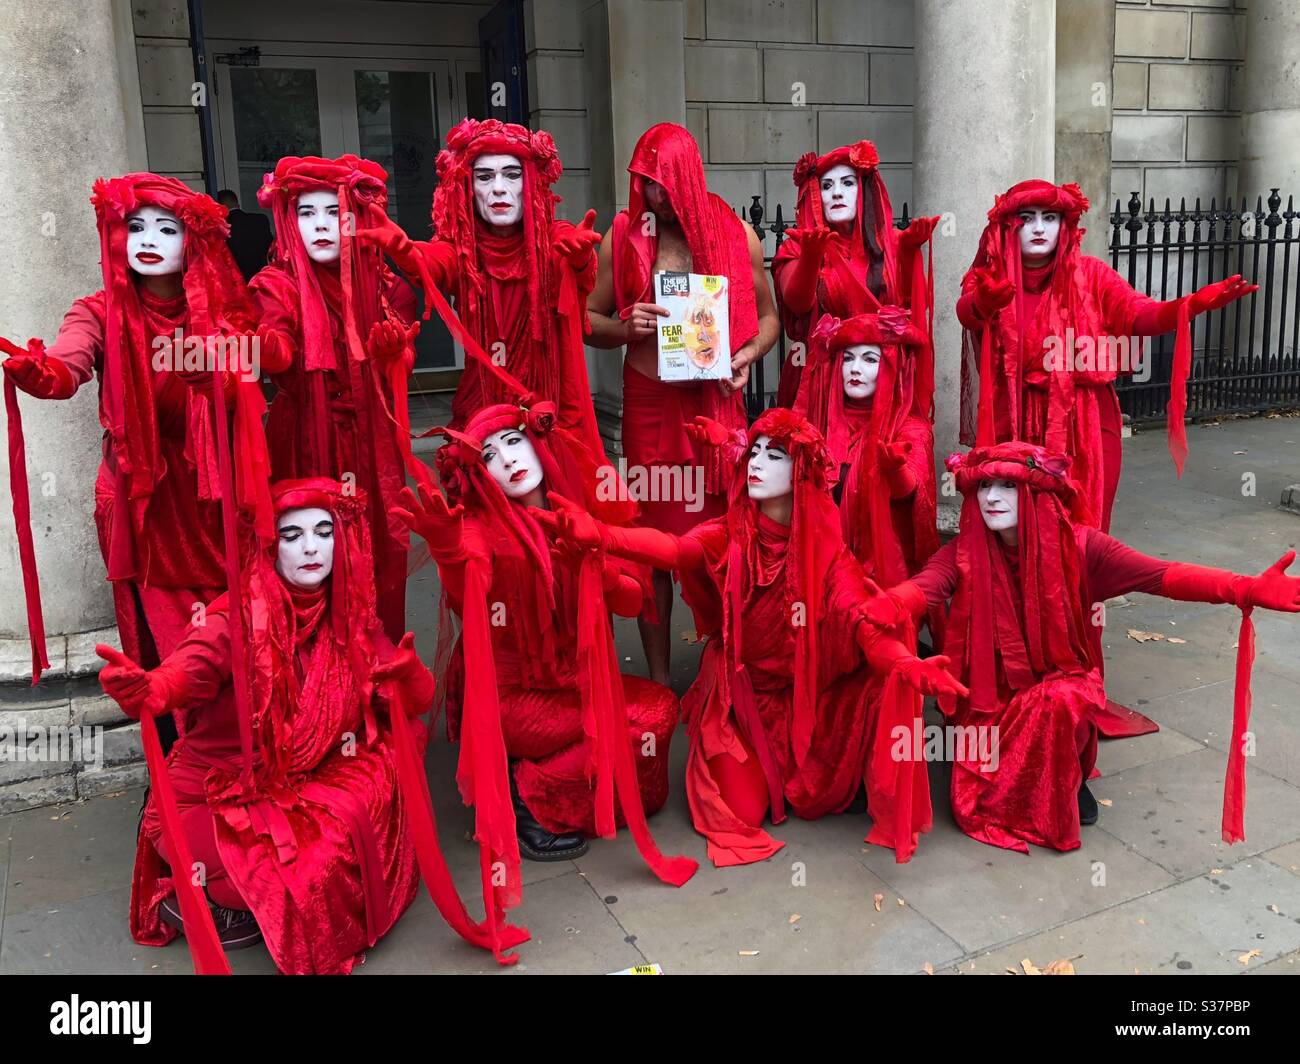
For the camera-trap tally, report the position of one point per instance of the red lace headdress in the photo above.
(993, 631)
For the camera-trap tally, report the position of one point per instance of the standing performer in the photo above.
(518, 276)
(314, 853)
(673, 222)
(862, 392)
(784, 709)
(846, 258)
(531, 678)
(1024, 577)
(173, 309)
(339, 322)
(1049, 328)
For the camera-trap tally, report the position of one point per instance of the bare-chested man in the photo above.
(673, 222)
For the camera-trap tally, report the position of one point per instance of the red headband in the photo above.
(1068, 199)
(888, 327)
(1026, 463)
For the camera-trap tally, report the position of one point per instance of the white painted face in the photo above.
(771, 472)
(306, 550)
(499, 189)
(860, 365)
(999, 504)
(318, 222)
(839, 195)
(1039, 235)
(155, 239)
(513, 462)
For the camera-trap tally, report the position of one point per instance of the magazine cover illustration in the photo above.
(693, 339)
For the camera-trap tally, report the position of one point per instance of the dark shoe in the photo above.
(1087, 806)
(236, 928)
(538, 844)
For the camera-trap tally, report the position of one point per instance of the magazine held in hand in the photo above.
(693, 340)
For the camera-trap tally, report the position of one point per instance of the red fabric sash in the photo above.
(21, 500)
(424, 834)
(605, 722)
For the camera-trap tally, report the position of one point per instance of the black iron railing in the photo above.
(1244, 355)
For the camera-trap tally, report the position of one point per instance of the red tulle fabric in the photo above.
(1008, 390)
(333, 412)
(860, 272)
(540, 631)
(719, 245)
(512, 289)
(892, 538)
(782, 679)
(316, 845)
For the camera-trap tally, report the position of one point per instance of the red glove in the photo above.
(274, 349)
(392, 240)
(1274, 590)
(570, 526)
(41, 375)
(407, 670)
(992, 293)
(439, 525)
(578, 243)
(389, 339)
(1219, 294)
(918, 232)
(910, 598)
(892, 458)
(800, 289)
(136, 690)
(881, 610)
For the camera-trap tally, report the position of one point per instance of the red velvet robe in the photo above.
(847, 727)
(322, 858)
(541, 705)
(361, 434)
(1047, 734)
(179, 559)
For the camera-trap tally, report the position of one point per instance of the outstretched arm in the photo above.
(578, 530)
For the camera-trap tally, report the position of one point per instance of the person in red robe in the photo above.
(339, 322)
(673, 222)
(846, 257)
(533, 680)
(861, 391)
(173, 310)
(1024, 577)
(1048, 330)
(799, 690)
(518, 276)
(310, 850)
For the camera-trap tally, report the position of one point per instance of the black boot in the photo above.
(1087, 806)
(535, 842)
(236, 928)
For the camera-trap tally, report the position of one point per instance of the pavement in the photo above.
(1152, 890)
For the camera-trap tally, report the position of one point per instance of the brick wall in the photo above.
(556, 94)
(1177, 99)
(743, 60)
(166, 63)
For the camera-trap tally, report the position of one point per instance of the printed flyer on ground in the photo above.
(693, 340)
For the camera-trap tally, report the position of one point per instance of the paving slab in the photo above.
(1171, 811)
(1200, 926)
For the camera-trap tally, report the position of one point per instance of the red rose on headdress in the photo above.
(547, 158)
(954, 462)
(805, 168)
(863, 156)
(893, 320)
(1056, 465)
(540, 418)
(114, 197)
(824, 329)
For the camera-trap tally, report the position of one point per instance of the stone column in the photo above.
(1270, 107)
(984, 119)
(1085, 63)
(635, 60)
(63, 127)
